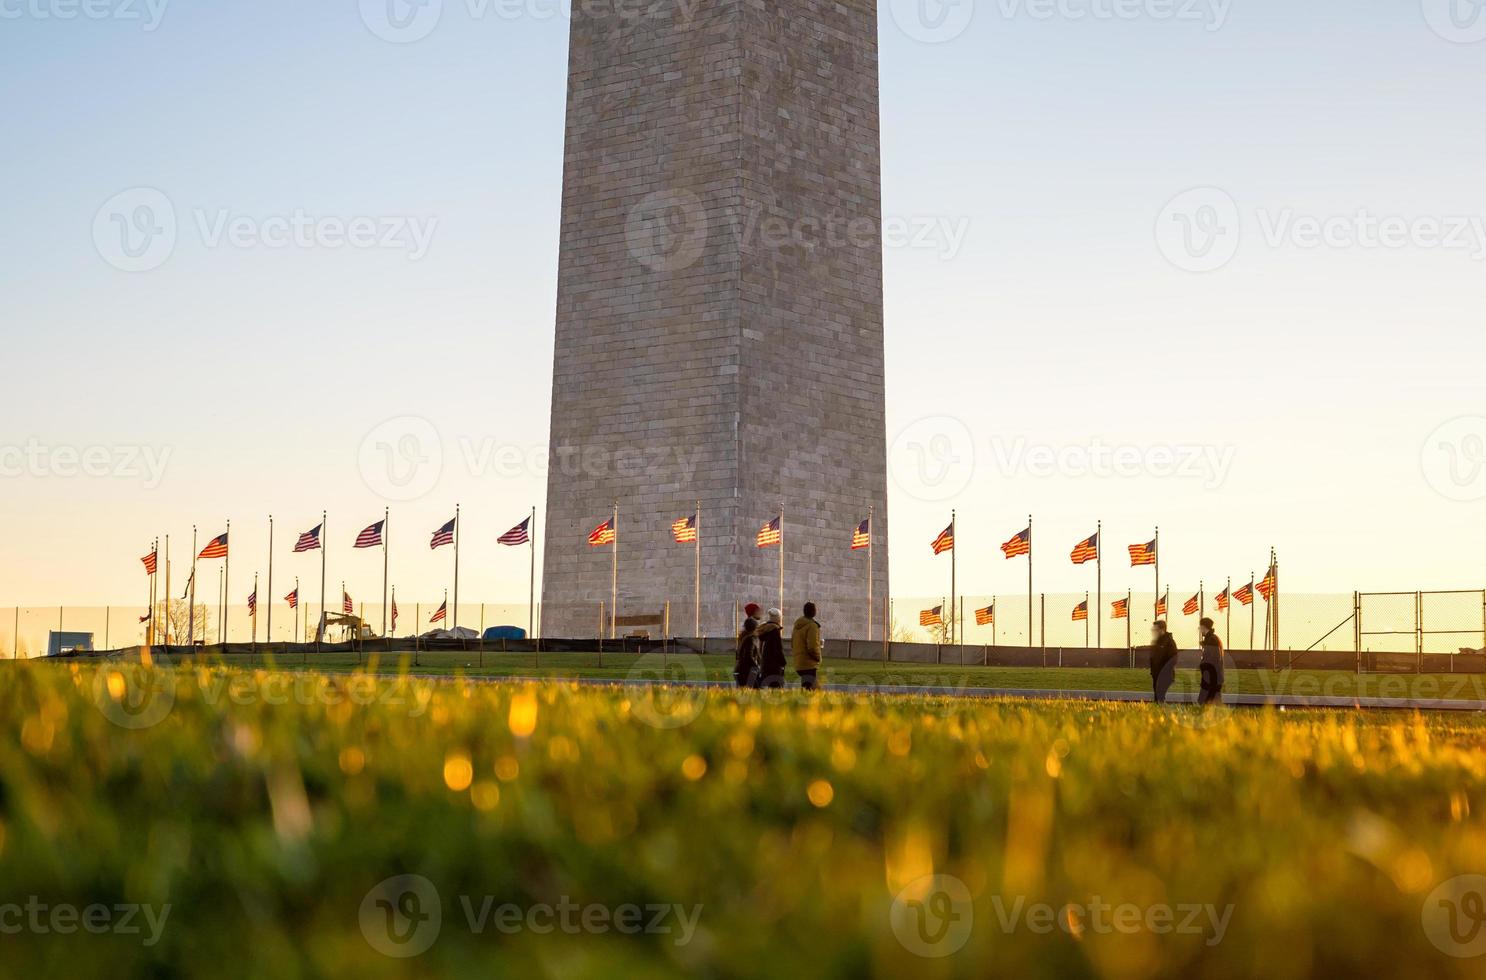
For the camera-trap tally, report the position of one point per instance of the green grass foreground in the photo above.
(620, 666)
(799, 835)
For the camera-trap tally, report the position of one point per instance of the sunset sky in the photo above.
(1319, 389)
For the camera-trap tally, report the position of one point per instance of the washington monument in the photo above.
(719, 313)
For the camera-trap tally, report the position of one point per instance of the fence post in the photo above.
(1356, 629)
(1418, 632)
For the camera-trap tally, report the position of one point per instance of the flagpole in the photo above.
(1030, 621)
(191, 616)
(220, 638)
(1157, 602)
(150, 630)
(1087, 611)
(1129, 601)
(456, 567)
(1228, 616)
(1099, 581)
(614, 573)
(166, 611)
(268, 620)
(952, 551)
(871, 509)
(1252, 610)
(226, 580)
(324, 546)
(254, 612)
(531, 605)
(386, 544)
(696, 629)
(781, 558)
(296, 609)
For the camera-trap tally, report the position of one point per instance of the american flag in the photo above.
(1190, 607)
(347, 606)
(1020, 544)
(1086, 550)
(1245, 594)
(986, 616)
(394, 614)
(151, 562)
(771, 533)
(1081, 612)
(443, 536)
(685, 530)
(1121, 608)
(308, 541)
(145, 618)
(293, 599)
(371, 537)
(189, 579)
(520, 534)
(932, 617)
(1222, 600)
(253, 603)
(438, 614)
(602, 535)
(945, 541)
(1161, 604)
(862, 536)
(1266, 584)
(1143, 554)
(215, 548)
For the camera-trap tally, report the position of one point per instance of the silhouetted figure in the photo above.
(805, 643)
(771, 650)
(1212, 664)
(746, 667)
(1163, 660)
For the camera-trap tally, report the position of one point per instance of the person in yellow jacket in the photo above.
(805, 643)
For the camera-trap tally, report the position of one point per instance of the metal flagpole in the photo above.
(268, 620)
(952, 551)
(254, 611)
(386, 544)
(166, 611)
(219, 606)
(324, 546)
(993, 620)
(870, 510)
(191, 615)
(1228, 615)
(531, 607)
(456, 566)
(1155, 603)
(226, 580)
(1098, 582)
(296, 609)
(150, 632)
(1030, 621)
(1129, 598)
(781, 558)
(697, 598)
(1087, 611)
(1252, 610)
(614, 572)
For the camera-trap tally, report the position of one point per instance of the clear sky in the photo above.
(1301, 324)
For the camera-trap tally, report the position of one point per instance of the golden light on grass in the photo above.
(694, 767)
(458, 772)
(352, 760)
(485, 795)
(507, 768)
(116, 685)
(523, 716)
(821, 793)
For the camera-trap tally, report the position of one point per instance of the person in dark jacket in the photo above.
(745, 667)
(805, 644)
(1163, 660)
(771, 650)
(1212, 664)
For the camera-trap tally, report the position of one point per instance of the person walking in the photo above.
(1163, 660)
(1212, 664)
(805, 643)
(745, 667)
(771, 651)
